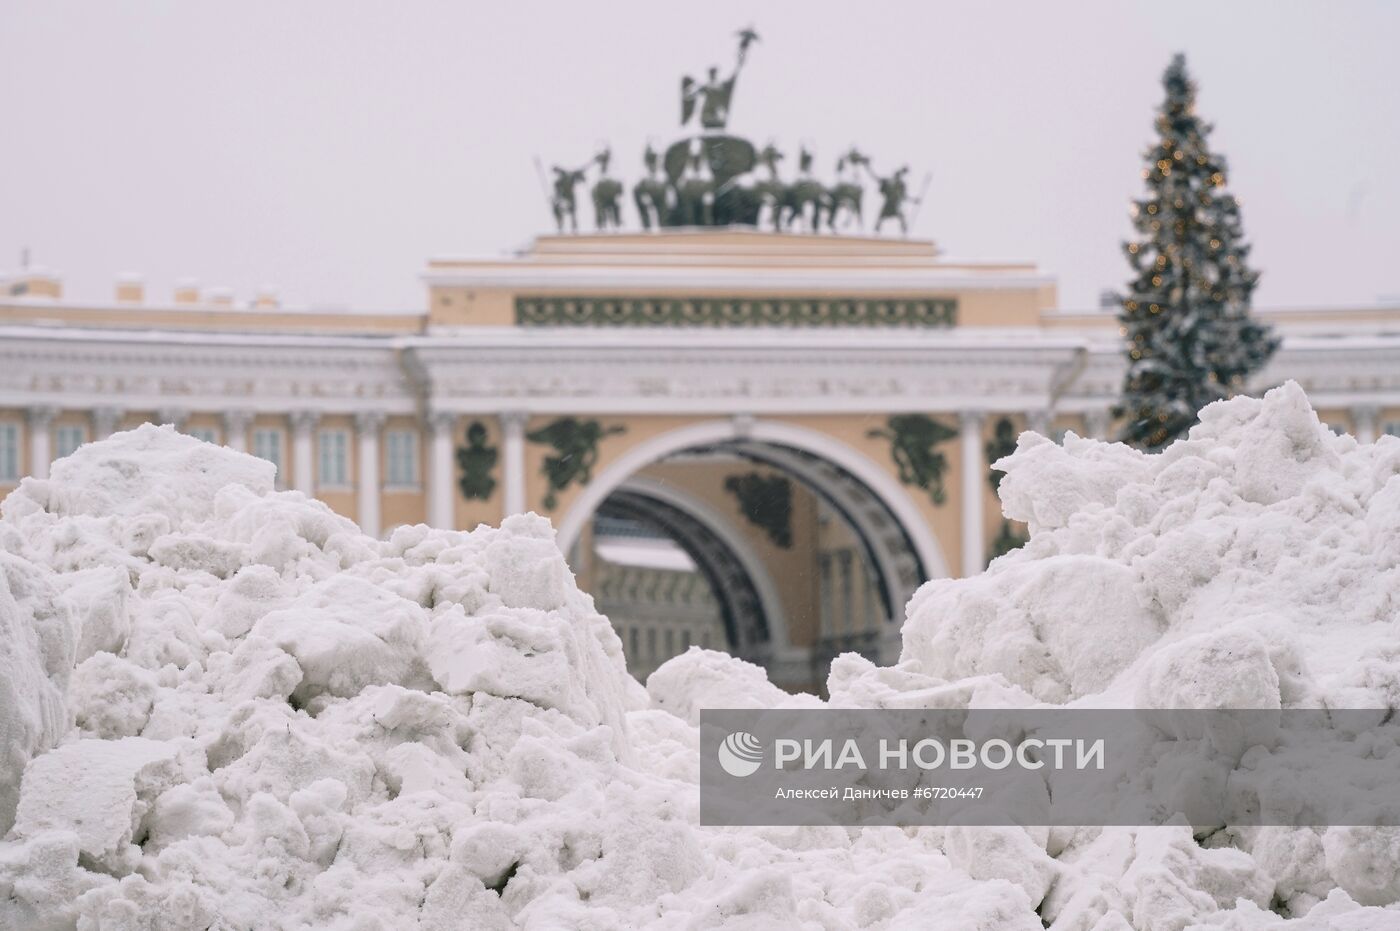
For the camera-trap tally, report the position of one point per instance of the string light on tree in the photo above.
(1197, 343)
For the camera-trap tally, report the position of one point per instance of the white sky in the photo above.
(330, 148)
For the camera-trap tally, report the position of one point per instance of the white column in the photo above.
(513, 460)
(1039, 421)
(440, 470)
(367, 424)
(1097, 422)
(40, 440)
(104, 422)
(236, 424)
(1364, 416)
(304, 451)
(974, 477)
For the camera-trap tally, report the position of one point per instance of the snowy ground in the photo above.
(232, 710)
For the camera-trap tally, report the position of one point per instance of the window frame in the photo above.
(59, 430)
(413, 445)
(280, 462)
(16, 449)
(339, 437)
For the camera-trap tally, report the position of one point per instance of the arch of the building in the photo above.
(738, 549)
(886, 546)
(881, 482)
(898, 541)
(740, 607)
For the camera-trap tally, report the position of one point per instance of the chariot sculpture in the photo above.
(712, 177)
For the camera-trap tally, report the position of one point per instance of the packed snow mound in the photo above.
(38, 646)
(1254, 564)
(233, 710)
(701, 679)
(253, 712)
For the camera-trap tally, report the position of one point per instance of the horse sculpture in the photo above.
(713, 180)
(607, 194)
(845, 194)
(695, 195)
(768, 194)
(803, 193)
(797, 198)
(606, 210)
(651, 193)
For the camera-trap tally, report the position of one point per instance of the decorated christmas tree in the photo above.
(1191, 340)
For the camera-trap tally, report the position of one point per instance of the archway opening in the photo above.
(766, 550)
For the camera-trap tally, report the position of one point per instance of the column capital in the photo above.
(439, 421)
(105, 420)
(743, 425)
(972, 419)
(1039, 421)
(175, 416)
(40, 416)
(303, 422)
(236, 424)
(513, 419)
(1097, 422)
(1364, 417)
(237, 420)
(369, 421)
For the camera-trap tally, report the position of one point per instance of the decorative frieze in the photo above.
(734, 311)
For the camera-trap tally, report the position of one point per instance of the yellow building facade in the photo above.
(812, 418)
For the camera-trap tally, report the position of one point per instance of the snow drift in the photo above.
(224, 707)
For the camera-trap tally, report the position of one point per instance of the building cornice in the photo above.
(150, 370)
(622, 372)
(541, 278)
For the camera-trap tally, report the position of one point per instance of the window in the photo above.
(203, 433)
(335, 459)
(67, 438)
(1390, 428)
(267, 444)
(9, 452)
(401, 448)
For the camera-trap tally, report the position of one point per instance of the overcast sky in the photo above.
(330, 148)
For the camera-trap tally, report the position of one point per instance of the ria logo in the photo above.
(740, 754)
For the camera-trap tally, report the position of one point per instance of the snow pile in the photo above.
(233, 710)
(274, 720)
(1255, 564)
